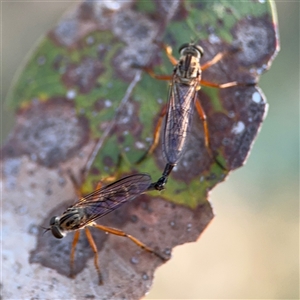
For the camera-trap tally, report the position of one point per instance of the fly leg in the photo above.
(95, 250)
(76, 185)
(72, 256)
(78, 188)
(202, 82)
(216, 59)
(116, 174)
(156, 135)
(227, 84)
(106, 180)
(168, 50)
(150, 72)
(163, 112)
(133, 239)
(233, 49)
(202, 116)
(172, 59)
(160, 184)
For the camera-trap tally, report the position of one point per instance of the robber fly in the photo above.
(186, 81)
(95, 205)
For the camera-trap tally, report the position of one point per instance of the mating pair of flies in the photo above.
(185, 83)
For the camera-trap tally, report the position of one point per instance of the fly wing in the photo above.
(110, 197)
(178, 118)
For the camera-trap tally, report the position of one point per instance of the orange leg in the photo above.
(222, 85)
(116, 174)
(168, 50)
(99, 185)
(95, 250)
(202, 116)
(156, 135)
(199, 108)
(75, 184)
(149, 71)
(133, 239)
(109, 179)
(226, 85)
(172, 59)
(214, 60)
(72, 256)
(219, 56)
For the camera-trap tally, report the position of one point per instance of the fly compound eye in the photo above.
(55, 229)
(57, 232)
(182, 47)
(200, 49)
(53, 221)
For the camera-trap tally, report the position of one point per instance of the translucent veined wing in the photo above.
(110, 197)
(177, 122)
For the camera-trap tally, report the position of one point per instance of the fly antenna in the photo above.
(45, 229)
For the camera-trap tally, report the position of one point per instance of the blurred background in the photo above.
(251, 249)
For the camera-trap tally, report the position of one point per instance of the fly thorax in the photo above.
(188, 68)
(71, 218)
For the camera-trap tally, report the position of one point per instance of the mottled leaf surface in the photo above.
(78, 91)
